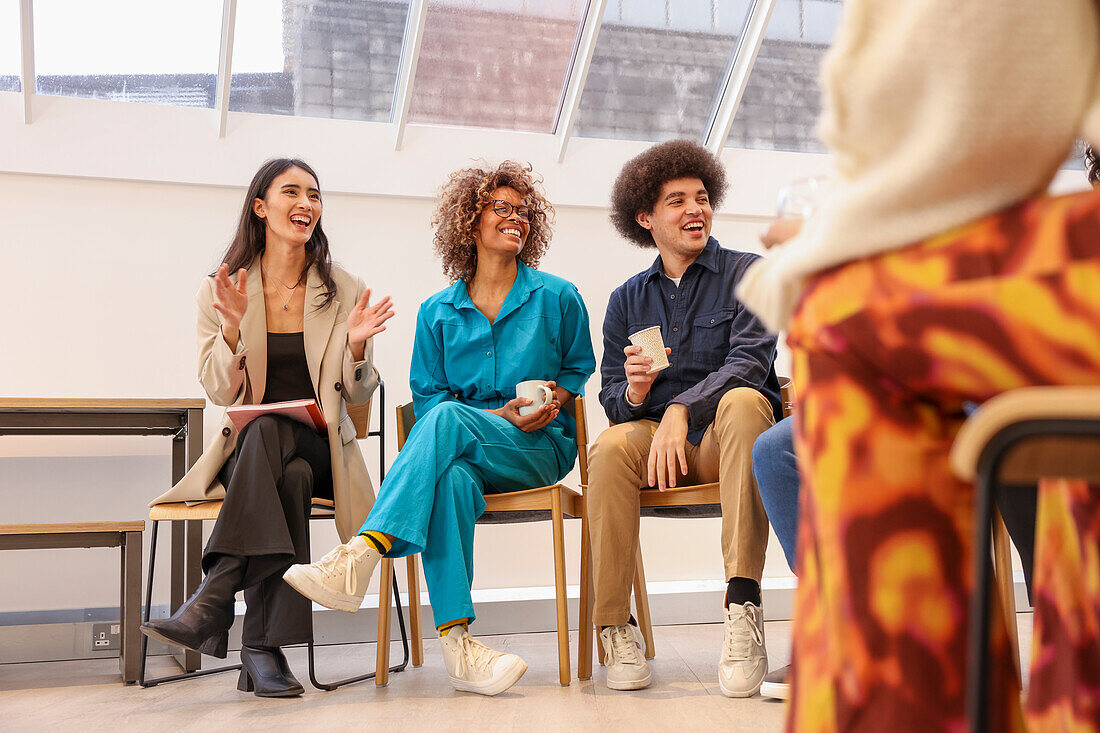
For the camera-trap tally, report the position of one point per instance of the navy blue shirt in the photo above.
(717, 343)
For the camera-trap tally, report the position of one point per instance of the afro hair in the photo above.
(639, 183)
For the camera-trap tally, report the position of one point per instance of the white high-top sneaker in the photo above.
(474, 667)
(624, 655)
(339, 579)
(744, 661)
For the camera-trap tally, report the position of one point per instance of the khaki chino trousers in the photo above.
(617, 471)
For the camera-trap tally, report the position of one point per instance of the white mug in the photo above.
(536, 391)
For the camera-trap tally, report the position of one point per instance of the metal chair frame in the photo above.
(993, 456)
(144, 681)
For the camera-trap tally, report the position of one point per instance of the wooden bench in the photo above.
(124, 535)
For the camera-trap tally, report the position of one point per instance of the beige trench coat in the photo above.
(239, 377)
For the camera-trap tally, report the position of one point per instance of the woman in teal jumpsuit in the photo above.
(502, 322)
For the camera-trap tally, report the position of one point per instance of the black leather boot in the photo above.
(202, 623)
(265, 671)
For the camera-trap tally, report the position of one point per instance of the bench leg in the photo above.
(130, 607)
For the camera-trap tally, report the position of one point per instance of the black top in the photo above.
(287, 371)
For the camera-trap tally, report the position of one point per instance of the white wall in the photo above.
(102, 276)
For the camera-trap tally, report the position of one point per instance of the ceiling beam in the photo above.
(225, 64)
(27, 79)
(737, 75)
(410, 54)
(578, 73)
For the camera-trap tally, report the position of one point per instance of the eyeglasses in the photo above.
(503, 209)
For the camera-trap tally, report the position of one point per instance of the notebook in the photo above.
(304, 411)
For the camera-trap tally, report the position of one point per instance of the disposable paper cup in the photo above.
(536, 391)
(653, 346)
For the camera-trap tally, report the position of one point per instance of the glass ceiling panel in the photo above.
(317, 58)
(782, 101)
(495, 63)
(9, 46)
(128, 50)
(657, 68)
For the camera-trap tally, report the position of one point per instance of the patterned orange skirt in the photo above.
(886, 352)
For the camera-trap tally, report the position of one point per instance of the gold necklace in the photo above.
(286, 301)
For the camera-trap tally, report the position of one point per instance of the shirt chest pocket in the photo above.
(535, 342)
(710, 341)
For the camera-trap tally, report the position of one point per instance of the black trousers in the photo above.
(1019, 505)
(278, 465)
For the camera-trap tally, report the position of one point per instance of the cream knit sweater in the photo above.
(938, 112)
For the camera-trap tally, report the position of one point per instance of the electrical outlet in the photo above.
(105, 637)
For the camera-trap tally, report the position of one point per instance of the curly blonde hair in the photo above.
(462, 199)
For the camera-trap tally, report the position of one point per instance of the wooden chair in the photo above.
(1017, 437)
(531, 505)
(321, 509)
(682, 502)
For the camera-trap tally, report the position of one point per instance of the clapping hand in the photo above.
(366, 320)
(231, 301)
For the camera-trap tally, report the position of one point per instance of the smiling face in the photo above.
(681, 218)
(291, 207)
(503, 234)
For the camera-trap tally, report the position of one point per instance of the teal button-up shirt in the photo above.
(541, 332)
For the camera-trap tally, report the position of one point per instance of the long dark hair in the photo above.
(250, 239)
(1092, 165)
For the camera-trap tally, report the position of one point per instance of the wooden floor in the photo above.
(87, 695)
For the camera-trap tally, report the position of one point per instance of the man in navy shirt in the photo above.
(693, 422)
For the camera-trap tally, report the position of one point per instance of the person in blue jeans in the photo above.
(775, 469)
(501, 323)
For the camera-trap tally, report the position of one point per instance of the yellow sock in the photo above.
(381, 542)
(450, 625)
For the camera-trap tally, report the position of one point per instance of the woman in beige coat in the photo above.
(277, 321)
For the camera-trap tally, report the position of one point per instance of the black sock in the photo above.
(742, 591)
(630, 621)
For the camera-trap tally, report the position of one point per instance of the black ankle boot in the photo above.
(202, 624)
(265, 671)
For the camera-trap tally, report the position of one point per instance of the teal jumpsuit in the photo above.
(456, 451)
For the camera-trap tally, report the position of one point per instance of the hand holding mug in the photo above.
(537, 416)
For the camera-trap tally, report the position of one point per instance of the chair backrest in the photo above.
(786, 395)
(406, 418)
(360, 417)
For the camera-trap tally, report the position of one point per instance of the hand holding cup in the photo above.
(645, 358)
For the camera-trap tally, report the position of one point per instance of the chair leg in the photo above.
(329, 686)
(584, 625)
(142, 679)
(641, 604)
(978, 656)
(1002, 557)
(559, 588)
(413, 572)
(385, 587)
